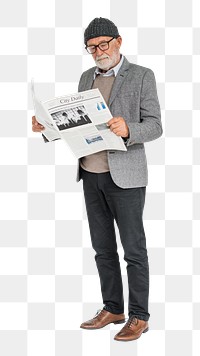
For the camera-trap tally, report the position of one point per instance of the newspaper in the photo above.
(79, 119)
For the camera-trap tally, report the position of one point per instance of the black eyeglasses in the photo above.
(103, 46)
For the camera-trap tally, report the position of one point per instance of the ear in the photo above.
(119, 41)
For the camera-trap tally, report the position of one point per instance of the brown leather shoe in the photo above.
(132, 330)
(103, 318)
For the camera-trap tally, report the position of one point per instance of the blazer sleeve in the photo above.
(149, 128)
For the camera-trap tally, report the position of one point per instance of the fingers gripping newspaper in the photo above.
(80, 120)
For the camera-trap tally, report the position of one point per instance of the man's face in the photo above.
(109, 58)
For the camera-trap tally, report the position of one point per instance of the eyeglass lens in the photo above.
(103, 46)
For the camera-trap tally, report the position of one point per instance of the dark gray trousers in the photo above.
(106, 202)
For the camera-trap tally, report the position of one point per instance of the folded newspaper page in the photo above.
(80, 120)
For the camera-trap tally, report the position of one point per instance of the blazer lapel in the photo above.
(121, 75)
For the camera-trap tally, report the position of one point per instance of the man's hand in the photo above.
(118, 126)
(36, 127)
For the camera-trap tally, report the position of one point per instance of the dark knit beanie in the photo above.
(100, 27)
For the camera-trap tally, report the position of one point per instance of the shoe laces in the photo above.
(132, 321)
(99, 311)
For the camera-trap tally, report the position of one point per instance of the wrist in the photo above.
(127, 136)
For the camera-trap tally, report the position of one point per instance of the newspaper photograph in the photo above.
(79, 119)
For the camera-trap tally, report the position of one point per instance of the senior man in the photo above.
(114, 182)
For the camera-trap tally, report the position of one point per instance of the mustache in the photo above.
(98, 58)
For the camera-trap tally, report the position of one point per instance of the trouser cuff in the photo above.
(113, 310)
(138, 316)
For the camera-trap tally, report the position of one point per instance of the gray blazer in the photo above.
(134, 97)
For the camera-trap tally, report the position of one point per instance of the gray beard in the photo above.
(107, 63)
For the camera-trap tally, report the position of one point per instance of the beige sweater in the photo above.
(98, 162)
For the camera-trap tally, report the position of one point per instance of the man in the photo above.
(114, 182)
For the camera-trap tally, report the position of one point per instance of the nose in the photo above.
(98, 51)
